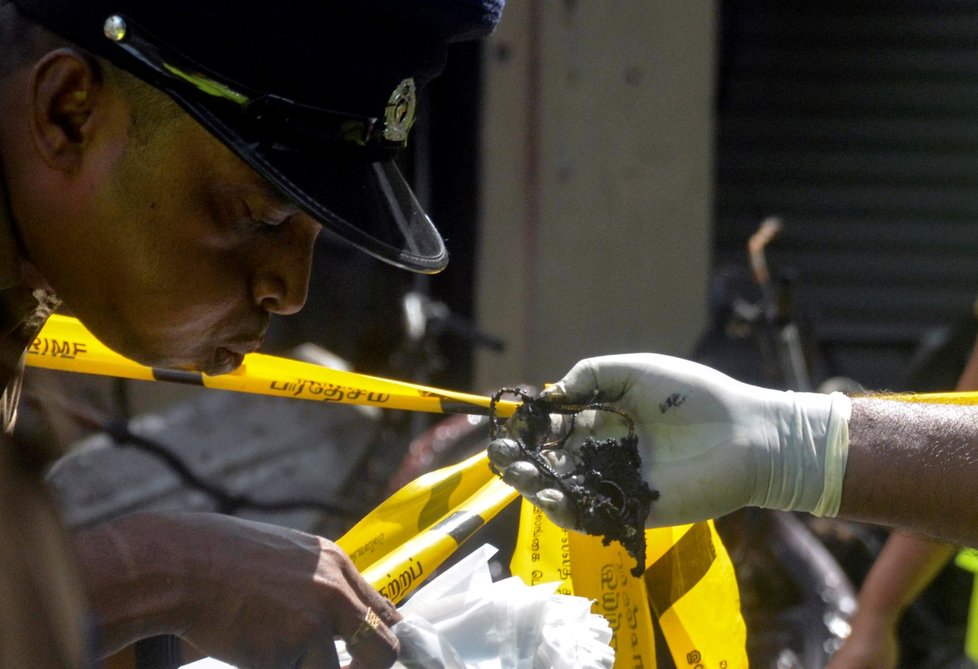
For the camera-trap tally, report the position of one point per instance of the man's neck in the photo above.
(11, 258)
(15, 269)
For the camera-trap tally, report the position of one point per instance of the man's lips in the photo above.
(243, 348)
(225, 361)
(229, 357)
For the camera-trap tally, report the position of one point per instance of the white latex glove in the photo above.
(709, 444)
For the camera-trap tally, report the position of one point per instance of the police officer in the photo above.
(167, 168)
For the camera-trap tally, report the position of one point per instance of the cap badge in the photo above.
(399, 114)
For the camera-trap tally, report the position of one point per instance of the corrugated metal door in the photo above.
(857, 123)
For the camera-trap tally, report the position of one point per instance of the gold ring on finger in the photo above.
(371, 621)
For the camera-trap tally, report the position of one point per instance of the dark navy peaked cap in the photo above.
(316, 95)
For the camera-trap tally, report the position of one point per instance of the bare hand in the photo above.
(252, 594)
(872, 645)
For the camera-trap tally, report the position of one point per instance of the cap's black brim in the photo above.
(367, 203)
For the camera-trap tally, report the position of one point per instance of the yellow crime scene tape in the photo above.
(961, 397)
(689, 587)
(65, 344)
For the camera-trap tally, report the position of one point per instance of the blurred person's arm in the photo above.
(905, 567)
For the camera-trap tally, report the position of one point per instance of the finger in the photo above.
(530, 423)
(503, 452)
(590, 380)
(577, 428)
(579, 385)
(322, 656)
(368, 595)
(561, 462)
(602, 424)
(530, 483)
(557, 507)
(372, 644)
(539, 429)
(368, 637)
(527, 477)
(524, 476)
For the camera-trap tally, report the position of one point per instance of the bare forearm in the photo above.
(905, 567)
(245, 592)
(969, 377)
(127, 566)
(914, 466)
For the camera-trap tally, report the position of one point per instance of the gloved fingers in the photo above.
(642, 384)
(503, 452)
(520, 471)
(596, 423)
(568, 431)
(677, 504)
(525, 476)
(557, 507)
(598, 379)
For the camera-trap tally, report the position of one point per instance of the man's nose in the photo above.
(281, 283)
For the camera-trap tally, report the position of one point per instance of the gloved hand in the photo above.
(708, 444)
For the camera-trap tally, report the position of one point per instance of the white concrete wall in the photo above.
(597, 182)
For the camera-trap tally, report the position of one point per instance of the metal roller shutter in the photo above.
(856, 122)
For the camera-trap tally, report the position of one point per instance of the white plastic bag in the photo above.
(464, 620)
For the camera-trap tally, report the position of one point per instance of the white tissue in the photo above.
(464, 620)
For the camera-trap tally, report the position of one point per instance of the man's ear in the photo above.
(65, 88)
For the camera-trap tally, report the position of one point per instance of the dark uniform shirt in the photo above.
(42, 607)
